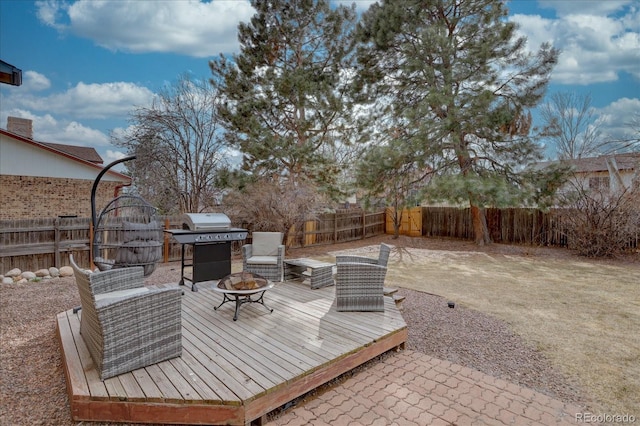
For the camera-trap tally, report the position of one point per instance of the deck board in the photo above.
(232, 372)
(97, 389)
(167, 389)
(263, 370)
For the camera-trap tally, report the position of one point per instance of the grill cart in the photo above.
(210, 235)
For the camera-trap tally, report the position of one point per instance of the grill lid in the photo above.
(206, 221)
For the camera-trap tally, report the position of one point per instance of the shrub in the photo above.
(268, 205)
(602, 223)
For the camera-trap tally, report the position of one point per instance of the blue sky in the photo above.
(87, 64)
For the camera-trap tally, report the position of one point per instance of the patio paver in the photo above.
(411, 388)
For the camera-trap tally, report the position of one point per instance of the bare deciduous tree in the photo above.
(573, 126)
(630, 143)
(178, 146)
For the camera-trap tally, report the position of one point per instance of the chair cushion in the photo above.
(263, 260)
(121, 293)
(141, 231)
(266, 243)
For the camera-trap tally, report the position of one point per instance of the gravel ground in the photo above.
(32, 382)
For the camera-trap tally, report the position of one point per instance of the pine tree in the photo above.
(286, 107)
(454, 76)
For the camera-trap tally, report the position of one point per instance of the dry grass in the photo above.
(583, 315)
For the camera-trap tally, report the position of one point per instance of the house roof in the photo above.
(84, 152)
(628, 161)
(84, 155)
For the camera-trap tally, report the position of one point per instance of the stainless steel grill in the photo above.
(207, 228)
(211, 235)
(206, 221)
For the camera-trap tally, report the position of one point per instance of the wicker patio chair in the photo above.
(124, 324)
(265, 255)
(382, 260)
(360, 281)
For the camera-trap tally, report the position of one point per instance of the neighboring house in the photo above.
(41, 179)
(604, 173)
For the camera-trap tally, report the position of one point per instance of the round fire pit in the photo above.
(239, 287)
(243, 281)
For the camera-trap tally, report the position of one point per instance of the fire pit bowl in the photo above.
(243, 281)
(239, 287)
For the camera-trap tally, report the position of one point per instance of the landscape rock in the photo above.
(28, 275)
(22, 281)
(42, 273)
(66, 271)
(15, 272)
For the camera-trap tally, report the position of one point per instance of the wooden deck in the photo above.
(233, 372)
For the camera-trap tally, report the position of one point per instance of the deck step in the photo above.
(398, 299)
(388, 291)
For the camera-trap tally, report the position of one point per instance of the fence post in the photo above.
(364, 225)
(56, 242)
(335, 227)
(165, 248)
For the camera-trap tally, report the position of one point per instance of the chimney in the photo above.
(20, 126)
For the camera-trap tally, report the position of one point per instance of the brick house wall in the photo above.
(31, 197)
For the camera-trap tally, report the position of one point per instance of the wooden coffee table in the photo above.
(320, 274)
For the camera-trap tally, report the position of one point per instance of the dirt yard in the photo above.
(538, 317)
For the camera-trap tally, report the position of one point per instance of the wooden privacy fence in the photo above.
(342, 226)
(514, 225)
(509, 226)
(32, 244)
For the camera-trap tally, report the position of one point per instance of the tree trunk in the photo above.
(480, 228)
(396, 224)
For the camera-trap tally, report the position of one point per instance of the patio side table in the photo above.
(320, 274)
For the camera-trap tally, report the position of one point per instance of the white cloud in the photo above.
(86, 100)
(187, 27)
(101, 100)
(46, 128)
(596, 44)
(50, 12)
(111, 156)
(34, 82)
(617, 118)
(77, 134)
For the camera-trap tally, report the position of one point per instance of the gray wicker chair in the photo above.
(265, 255)
(360, 281)
(124, 324)
(382, 260)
